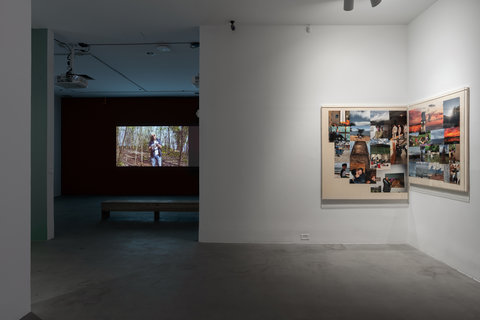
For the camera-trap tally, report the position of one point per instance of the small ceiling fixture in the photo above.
(164, 48)
(348, 4)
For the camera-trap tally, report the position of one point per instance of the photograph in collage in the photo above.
(399, 136)
(360, 125)
(338, 125)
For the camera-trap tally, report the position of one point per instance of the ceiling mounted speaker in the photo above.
(375, 2)
(348, 5)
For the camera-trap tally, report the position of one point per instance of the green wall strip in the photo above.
(39, 134)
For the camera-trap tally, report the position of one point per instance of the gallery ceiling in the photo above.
(124, 59)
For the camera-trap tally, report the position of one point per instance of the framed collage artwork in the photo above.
(438, 142)
(375, 153)
(364, 153)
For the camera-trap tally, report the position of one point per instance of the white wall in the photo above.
(15, 62)
(444, 54)
(261, 93)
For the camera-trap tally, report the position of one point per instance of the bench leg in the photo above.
(105, 214)
(157, 215)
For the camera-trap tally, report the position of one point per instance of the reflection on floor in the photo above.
(130, 267)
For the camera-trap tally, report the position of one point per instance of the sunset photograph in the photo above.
(415, 119)
(452, 135)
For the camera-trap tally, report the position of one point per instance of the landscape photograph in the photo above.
(452, 135)
(414, 153)
(437, 136)
(379, 155)
(434, 171)
(434, 117)
(379, 117)
(360, 125)
(451, 113)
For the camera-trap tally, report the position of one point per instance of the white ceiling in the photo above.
(149, 21)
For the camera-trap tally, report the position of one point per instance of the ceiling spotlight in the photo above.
(163, 48)
(348, 5)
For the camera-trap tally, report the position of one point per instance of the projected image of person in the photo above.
(155, 151)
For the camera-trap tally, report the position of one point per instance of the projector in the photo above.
(71, 81)
(196, 80)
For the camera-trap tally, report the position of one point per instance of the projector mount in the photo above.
(69, 79)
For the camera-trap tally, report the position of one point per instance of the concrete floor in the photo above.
(132, 268)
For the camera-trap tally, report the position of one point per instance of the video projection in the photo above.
(152, 146)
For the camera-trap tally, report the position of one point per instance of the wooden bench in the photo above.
(148, 205)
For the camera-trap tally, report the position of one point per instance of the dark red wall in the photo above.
(88, 146)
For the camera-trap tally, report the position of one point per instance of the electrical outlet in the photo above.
(305, 236)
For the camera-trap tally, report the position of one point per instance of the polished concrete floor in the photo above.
(132, 268)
